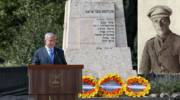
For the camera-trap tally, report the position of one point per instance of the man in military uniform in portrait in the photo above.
(161, 53)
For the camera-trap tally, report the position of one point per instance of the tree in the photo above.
(33, 19)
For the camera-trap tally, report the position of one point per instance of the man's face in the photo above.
(50, 41)
(161, 24)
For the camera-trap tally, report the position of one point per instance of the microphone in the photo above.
(2, 60)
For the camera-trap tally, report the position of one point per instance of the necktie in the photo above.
(51, 55)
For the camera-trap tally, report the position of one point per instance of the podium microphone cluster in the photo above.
(1, 61)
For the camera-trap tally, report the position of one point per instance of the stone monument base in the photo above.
(99, 62)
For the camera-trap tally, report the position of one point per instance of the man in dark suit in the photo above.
(161, 53)
(49, 54)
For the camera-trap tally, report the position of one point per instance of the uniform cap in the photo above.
(159, 11)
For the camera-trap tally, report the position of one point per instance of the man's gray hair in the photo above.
(49, 34)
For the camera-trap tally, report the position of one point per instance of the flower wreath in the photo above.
(139, 83)
(115, 92)
(92, 82)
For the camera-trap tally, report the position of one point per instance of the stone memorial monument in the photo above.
(95, 35)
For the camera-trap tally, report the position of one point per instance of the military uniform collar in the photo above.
(167, 42)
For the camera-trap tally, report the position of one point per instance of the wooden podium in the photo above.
(55, 82)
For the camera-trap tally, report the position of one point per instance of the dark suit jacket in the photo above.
(41, 56)
(161, 59)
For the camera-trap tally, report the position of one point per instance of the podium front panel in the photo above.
(55, 79)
